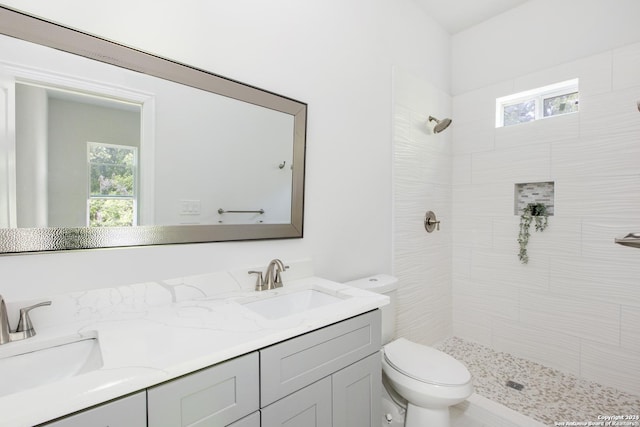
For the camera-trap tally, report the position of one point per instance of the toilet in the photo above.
(429, 380)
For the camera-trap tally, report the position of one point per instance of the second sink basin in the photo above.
(26, 366)
(289, 304)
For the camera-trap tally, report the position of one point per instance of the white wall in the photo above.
(576, 305)
(336, 56)
(537, 35)
(235, 147)
(31, 155)
(421, 182)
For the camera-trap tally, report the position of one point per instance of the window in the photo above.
(547, 101)
(112, 185)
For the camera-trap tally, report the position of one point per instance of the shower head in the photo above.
(440, 124)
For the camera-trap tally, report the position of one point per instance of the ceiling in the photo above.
(458, 15)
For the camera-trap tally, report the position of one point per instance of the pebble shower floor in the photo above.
(549, 396)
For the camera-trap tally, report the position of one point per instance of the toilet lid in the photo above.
(425, 364)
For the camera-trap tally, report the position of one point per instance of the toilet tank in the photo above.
(387, 285)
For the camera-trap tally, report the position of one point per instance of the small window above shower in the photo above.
(548, 101)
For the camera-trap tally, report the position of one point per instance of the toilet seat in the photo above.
(425, 364)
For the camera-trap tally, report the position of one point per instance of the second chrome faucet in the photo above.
(272, 277)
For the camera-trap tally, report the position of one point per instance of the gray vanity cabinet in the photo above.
(215, 396)
(130, 411)
(326, 378)
(329, 377)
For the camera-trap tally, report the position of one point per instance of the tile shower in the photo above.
(548, 395)
(571, 314)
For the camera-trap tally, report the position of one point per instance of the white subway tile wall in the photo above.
(576, 305)
(422, 168)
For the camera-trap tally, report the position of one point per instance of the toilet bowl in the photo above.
(429, 380)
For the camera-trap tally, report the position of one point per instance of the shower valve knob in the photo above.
(431, 222)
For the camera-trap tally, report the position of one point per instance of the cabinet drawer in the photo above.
(215, 396)
(129, 411)
(291, 365)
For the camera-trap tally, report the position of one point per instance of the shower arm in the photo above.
(632, 240)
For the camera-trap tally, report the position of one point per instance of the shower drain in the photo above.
(514, 385)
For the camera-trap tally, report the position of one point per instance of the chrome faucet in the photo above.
(272, 278)
(25, 327)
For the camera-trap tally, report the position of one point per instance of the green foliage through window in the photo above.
(110, 213)
(112, 185)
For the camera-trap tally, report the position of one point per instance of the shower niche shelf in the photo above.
(534, 192)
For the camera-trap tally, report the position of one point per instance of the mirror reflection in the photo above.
(93, 145)
(76, 160)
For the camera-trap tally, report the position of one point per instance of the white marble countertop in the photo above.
(153, 332)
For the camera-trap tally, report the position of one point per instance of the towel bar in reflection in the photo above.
(222, 211)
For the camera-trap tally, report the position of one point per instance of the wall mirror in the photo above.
(102, 145)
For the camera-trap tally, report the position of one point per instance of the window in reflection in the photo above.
(112, 185)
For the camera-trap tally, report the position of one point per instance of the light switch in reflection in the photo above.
(189, 207)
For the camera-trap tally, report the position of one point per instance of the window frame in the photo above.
(133, 197)
(538, 95)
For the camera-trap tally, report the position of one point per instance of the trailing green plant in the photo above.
(533, 212)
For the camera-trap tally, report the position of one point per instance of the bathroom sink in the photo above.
(288, 304)
(27, 366)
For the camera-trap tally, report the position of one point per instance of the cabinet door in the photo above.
(356, 393)
(216, 396)
(126, 412)
(295, 363)
(308, 407)
(252, 420)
